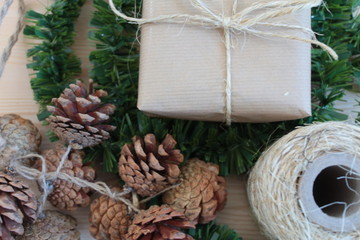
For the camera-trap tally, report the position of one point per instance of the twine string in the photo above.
(5, 9)
(47, 178)
(245, 21)
(228, 80)
(161, 192)
(2, 143)
(14, 37)
(46, 185)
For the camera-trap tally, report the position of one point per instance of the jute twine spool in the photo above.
(306, 185)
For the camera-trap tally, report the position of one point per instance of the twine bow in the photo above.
(246, 21)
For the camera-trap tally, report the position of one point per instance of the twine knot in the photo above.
(226, 22)
(246, 21)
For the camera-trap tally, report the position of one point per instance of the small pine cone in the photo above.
(67, 195)
(18, 137)
(159, 223)
(109, 219)
(202, 192)
(17, 205)
(148, 167)
(79, 117)
(54, 226)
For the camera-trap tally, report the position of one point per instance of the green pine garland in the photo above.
(53, 61)
(213, 231)
(115, 61)
(234, 148)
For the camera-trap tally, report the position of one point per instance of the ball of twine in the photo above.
(274, 183)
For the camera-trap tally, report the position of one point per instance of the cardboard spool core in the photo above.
(330, 192)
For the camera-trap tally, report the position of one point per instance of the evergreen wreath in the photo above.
(115, 69)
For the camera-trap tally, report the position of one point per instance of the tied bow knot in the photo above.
(226, 22)
(246, 20)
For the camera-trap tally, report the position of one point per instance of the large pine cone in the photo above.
(159, 223)
(67, 195)
(18, 137)
(17, 205)
(109, 219)
(54, 226)
(148, 167)
(78, 116)
(202, 192)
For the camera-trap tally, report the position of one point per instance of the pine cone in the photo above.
(202, 192)
(148, 167)
(55, 226)
(159, 223)
(109, 219)
(67, 195)
(78, 116)
(17, 204)
(18, 137)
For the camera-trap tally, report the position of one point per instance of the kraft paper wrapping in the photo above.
(183, 68)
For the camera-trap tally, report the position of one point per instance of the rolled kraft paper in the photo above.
(183, 68)
(307, 184)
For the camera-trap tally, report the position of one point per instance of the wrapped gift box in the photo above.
(183, 67)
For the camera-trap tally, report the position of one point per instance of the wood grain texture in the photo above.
(16, 97)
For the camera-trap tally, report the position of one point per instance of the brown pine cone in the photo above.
(79, 117)
(109, 219)
(54, 226)
(202, 192)
(148, 167)
(159, 223)
(17, 205)
(67, 195)
(18, 137)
